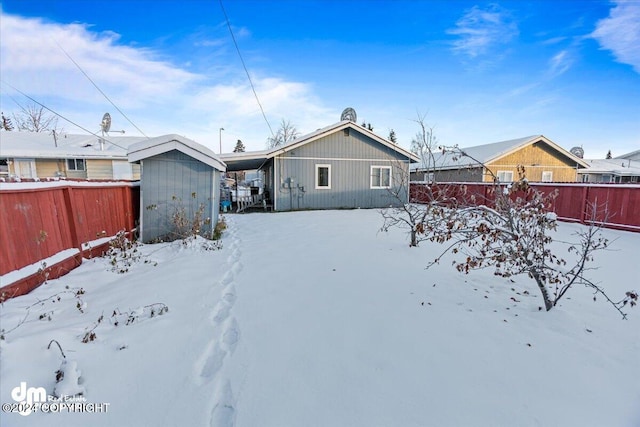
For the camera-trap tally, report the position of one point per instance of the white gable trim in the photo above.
(164, 144)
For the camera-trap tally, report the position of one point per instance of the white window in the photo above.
(323, 177)
(75, 164)
(547, 176)
(380, 176)
(505, 176)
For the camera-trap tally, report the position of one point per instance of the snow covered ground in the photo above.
(316, 319)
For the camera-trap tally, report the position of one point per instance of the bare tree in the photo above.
(285, 134)
(425, 145)
(511, 233)
(512, 236)
(34, 118)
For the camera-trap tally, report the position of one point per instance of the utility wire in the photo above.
(99, 90)
(245, 68)
(61, 116)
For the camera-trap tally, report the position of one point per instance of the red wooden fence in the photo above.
(617, 206)
(38, 221)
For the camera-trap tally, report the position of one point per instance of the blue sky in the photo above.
(479, 72)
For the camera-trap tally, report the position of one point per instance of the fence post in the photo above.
(585, 197)
(70, 203)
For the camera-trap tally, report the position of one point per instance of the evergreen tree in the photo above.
(392, 136)
(6, 123)
(239, 147)
(609, 156)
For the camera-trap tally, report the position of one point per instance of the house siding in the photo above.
(99, 169)
(50, 168)
(350, 158)
(172, 181)
(536, 158)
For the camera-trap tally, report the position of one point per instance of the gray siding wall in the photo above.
(169, 182)
(350, 158)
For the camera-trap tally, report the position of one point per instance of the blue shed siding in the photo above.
(170, 181)
(350, 158)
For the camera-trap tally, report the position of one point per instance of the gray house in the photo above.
(177, 175)
(340, 166)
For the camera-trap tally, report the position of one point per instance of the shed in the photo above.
(178, 176)
(341, 166)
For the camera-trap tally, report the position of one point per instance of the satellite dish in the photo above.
(349, 114)
(105, 125)
(577, 151)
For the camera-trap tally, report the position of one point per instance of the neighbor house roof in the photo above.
(41, 145)
(479, 155)
(163, 144)
(634, 155)
(617, 167)
(255, 159)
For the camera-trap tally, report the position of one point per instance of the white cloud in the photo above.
(620, 33)
(481, 30)
(560, 63)
(158, 96)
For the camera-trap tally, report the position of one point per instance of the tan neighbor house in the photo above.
(38, 155)
(543, 160)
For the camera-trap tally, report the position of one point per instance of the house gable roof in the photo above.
(254, 159)
(163, 144)
(479, 155)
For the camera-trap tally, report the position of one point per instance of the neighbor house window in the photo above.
(380, 176)
(505, 176)
(547, 176)
(323, 177)
(75, 164)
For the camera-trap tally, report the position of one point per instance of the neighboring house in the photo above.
(621, 169)
(177, 174)
(543, 160)
(340, 166)
(38, 155)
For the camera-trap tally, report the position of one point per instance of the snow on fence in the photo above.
(41, 220)
(618, 206)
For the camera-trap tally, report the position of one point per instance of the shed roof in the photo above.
(42, 145)
(255, 159)
(163, 144)
(479, 155)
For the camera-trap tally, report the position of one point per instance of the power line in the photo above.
(245, 68)
(99, 90)
(61, 116)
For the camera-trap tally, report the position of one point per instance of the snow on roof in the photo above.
(482, 154)
(42, 145)
(163, 144)
(617, 166)
(634, 155)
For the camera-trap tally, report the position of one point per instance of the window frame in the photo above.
(549, 176)
(75, 168)
(378, 187)
(504, 173)
(317, 177)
